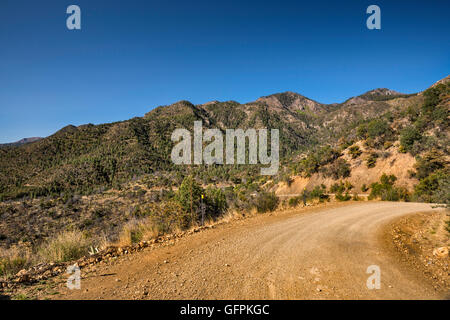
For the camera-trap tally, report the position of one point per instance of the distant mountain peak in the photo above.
(381, 92)
(284, 94)
(184, 103)
(290, 100)
(210, 103)
(22, 141)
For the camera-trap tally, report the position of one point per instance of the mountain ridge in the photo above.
(80, 157)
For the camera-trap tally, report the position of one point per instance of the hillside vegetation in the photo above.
(116, 181)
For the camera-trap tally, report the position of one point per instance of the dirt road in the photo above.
(315, 254)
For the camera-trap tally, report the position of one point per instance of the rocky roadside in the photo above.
(45, 272)
(423, 241)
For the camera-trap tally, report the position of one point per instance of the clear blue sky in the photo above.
(132, 56)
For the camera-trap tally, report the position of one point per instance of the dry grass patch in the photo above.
(66, 246)
(136, 231)
(13, 260)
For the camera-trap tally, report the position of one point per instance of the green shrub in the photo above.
(337, 187)
(388, 180)
(338, 169)
(432, 161)
(377, 128)
(348, 186)
(167, 216)
(434, 188)
(361, 131)
(394, 194)
(387, 145)
(433, 97)
(316, 159)
(189, 195)
(215, 201)
(372, 160)
(408, 136)
(294, 201)
(266, 202)
(343, 197)
(354, 151)
(319, 192)
(341, 187)
(386, 191)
